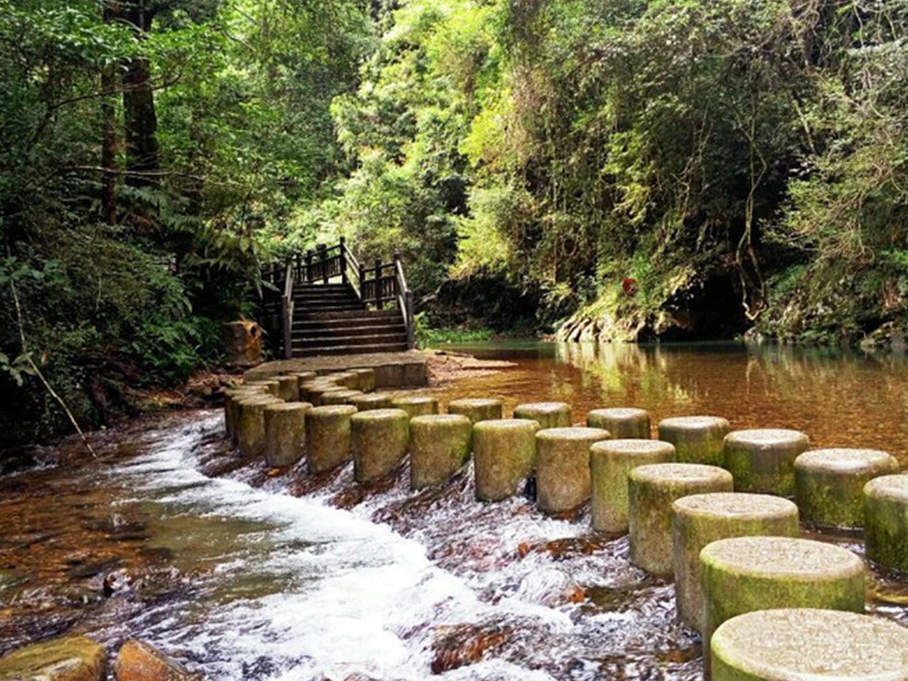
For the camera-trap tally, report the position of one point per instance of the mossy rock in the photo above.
(886, 521)
(288, 388)
(563, 467)
(610, 463)
(651, 490)
(342, 396)
(416, 405)
(808, 644)
(140, 661)
(304, 377)
(504, 454)
(546, 414)
(231, 396)
(369, 401)
(829, 484)
(697, 439)
(623, 423)
(381, 438)
(74, 658)
(744, 574)
(328, 436)
(762, 459)
(250, 423)
(345, 379)
(312, 392)
(285, 432)
(389, 376)
(477, 409)
(440, 444)
(366, 379)
(700, 519)
(272, 385)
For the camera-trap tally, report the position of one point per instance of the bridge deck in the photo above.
(408, 368)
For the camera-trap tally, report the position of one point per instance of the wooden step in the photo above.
(341, 331)
(348, 350)
(371, 339)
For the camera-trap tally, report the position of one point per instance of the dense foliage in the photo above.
(638, 168)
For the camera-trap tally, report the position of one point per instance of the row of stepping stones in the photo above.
(730, 552)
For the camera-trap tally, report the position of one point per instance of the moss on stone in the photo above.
(285, 432)
(370, 401)
(886, 521)
(288, 388)
(477, 409)
(340, 396)
(74, 658)
(440, 444)
(546, 414)
(700, 519)
(622, 422)
(328, 437)
(250, 423)
(381, 438)
(504, 452)
(651, 491)
(762, 460)
(366, 379)
(563, 467)
(697, 439)
(416, 405)
(610, 463)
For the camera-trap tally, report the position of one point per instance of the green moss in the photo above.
(504, 453)
(439, 446)
(380, 439)
(886, 523)
(563, 467)
(328, 437)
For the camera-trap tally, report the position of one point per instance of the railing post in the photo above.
(323, 261)
(309, 266)
(378, 283)
(397, 290)
(298, 259)
(362, 283)
(343, 260)
(411, 321)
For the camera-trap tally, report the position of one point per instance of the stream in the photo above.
(248, 574)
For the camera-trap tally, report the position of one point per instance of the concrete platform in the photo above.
(392, 369)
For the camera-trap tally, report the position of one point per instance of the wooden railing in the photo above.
(378, 286)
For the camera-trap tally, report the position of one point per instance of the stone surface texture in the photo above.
(440, 444)
(140, 661)
(762, 459)
(622, 422)
(697, 439)
(74, 658)
(563, 480)
(380, 439)
(504, 455)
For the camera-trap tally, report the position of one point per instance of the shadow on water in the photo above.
(252, 574)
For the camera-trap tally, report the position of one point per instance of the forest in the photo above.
(618, 170)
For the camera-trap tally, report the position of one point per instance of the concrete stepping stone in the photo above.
(622, 422)
(328, 436)
(368, 401)
(546, 414)
(272, 385)
(366, 379)
(563, 480)
(697, 439)
(504, 455)
(440, 444)
(477, 409)
(651, 491)
(231, 395)
(380, 439)
(886, 521)
(610, 462)
(762, 459)
(416, 405)
(829, 484)
(285, 432)
(700, 519)
(288, 388)
(804, 644)
(250, 423)
(341, 396)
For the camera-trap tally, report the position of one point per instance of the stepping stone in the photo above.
(340, 396)
(369, 401)
(697, 439)
(804, 644)
(504, 455)
(761, 573)
(285, 432)
(829, 484)
(305, 377)
(328, 437)
(622, 422)
(231, 395)
(546, 414)
(272, 385)
(563, 467)
(345, 379)
(610, 462)
(416, 405)
(886, 521)
(288, 388)
(440, 444)
(762, 459)
(366, 379)
(651, 491)
(380, 439)
(250, 423)
(477, 409)
(701, 519)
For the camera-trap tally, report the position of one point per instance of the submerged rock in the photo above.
(75, 658)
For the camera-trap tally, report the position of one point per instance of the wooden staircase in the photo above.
(325, 300)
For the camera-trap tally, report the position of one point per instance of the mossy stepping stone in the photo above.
(651, 491)
(700, 519)
(610, 462)
(744, 574)
(697, 439)
(342, 396)
(440, 444)
(886, 521)
(762, 459)
(74, 658)
(416, 405)
(328, 437)
(345, 379)
(285, 432)
(272, 385)
(806, 644)
(305, 377)
(829, 484)
(288, 388)
(477, 408)
(368, 401)
(231, 395)
(622, 422)
(380, 439)
(250, 423)
(366, 379)
(546, 414)
(314, 391)
(563, 481)
(504, 454)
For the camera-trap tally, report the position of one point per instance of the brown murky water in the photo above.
(245, 573)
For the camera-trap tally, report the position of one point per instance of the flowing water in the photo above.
(245, 573)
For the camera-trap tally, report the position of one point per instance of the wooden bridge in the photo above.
(325, 302)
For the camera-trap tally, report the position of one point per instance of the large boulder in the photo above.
(75, 658)
(141, 661)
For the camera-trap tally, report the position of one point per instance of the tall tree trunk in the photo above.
(141, 120)
(109, 86)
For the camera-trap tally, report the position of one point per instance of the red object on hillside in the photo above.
(629, 284)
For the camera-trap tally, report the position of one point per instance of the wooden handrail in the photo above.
(287, 309)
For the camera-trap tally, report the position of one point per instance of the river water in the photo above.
(245, 573)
